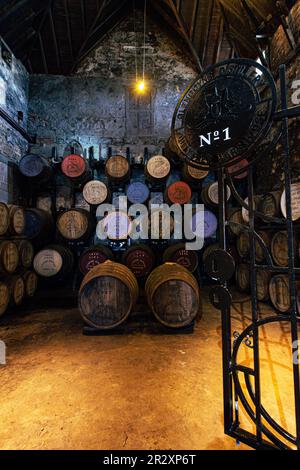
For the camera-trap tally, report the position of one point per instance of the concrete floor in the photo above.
(63, 390)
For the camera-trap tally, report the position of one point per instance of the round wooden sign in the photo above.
(117, 167)
(73, 166)
(140, 260)
(4, 218)
(95, 192)
(48, 263)
(93, 256)
(32, 165)
(137, 192)
(178, 254)
(73, 224)
(179, 193)
(158, 167)
(196, 173)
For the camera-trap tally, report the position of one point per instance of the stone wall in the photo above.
(14, 87)
(98, 105)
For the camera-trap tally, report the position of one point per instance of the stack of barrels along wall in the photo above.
(66, 232)
(18, 281)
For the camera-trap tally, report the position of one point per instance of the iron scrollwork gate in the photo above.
(227, 116)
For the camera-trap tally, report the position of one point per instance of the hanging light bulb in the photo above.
(141, 86)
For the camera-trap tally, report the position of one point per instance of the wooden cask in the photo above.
(279, 293)
(93, 256)
(262, 285)
(243, 245)
(280, 250)
(239, 170)
(235, 217)
(295, 195)
(16, 225)
(117, 169)
(173, 295)
(4, 297)
(75, 224)
(4, 219)
(140, 260)
(75, 167)
(38, 225)
(95, 192)
(30, 283)
(107, 295)
(206, 223)
(54, 262)
(192, 175)
(242, 277)
(9, 257)
(210, 194)
(157, 169)
(266, 237)
(16, 287)
(26, 252)
(209, 249)
(178, 192)
(115, 225)
(270, 204)
(245, 212)
(161, 224)
(35, 168)
(178, 254)
(137, 192)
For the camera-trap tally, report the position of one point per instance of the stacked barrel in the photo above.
(17, 279)
(271, 245)
(78, 241)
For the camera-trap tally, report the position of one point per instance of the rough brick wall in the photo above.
(14, 85)
(97, 106)
(270, 172)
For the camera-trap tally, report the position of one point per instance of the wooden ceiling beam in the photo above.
(210, 9)
(83, 16)
(43, 52)
(194, 18)
(12, 9)
(26, 56)
(186, 36)
(230, 38)
(69, 33)
(53, 31)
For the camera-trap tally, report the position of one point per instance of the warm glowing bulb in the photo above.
(141, 86)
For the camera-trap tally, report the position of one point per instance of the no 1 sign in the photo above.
(211, 137)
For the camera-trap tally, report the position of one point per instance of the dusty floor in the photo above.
(63, 390)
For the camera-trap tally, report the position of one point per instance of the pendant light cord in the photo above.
(135, 39)
(144, 48)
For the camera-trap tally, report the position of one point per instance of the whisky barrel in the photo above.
(38, 225)
(209, 249)
(266, 237)
(235, 217)
(279, 248)
(262, 285)
(236, 170)
(75, 224)
(36, 168)
(242, 277)
(16, 224)
(210, 194)
(26, 252)
(117, 169)
(115, 225)
(44, 202)
(30, 283)
(157, 169)
(4, 218)
(161, 224)
(93, 256)
(171, 152)
(270, 204)
(75, 167)
(4, 297)
(178, 254)
(95, 192)
(206, 222)
(193, 175)
(9, 257)
(53, 261)
(137, 192)
(178, 192)
(107, 295)
(173, 295)
(16, 287)
(295, 195)
(140, 260)
(245, 212)
(279, 293)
